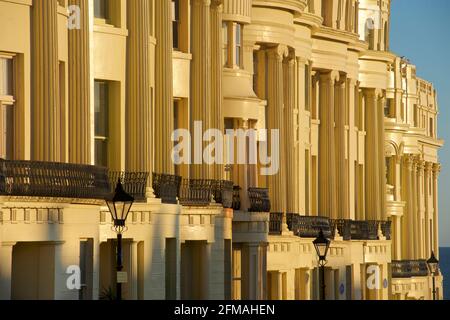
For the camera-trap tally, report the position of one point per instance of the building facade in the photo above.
(93, 90)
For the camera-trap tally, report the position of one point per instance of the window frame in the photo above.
(105, 138)
(176, 21)
(7, 101)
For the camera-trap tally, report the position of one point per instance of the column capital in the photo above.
(420, 166)
(437, 168)
(352, 82)
(290, 58)
(428, 166)
(373, 93)
(301, 60)
(331, 76)
(278, 52)
(342, 81)
(408, 161)
(216, 3)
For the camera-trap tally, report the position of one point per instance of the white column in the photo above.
(201, 74)
(163, 87)
(342, 174)
(80, 139)
(46, 133)
(290, 114)
(327, 154)
(139, 104)
(277, 186)
(372, 166)
(436, 171)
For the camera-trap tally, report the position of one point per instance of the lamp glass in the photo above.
(119, 204)
(322, 245)
(433, 263)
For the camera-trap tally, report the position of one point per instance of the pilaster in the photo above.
(80, 139)
(164, 88)
(327, 151)
(217, 120)
(139, 104)
(276, 183)
(201, 74)
(46, 113)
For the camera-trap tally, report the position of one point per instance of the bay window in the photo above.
(7, 101)
(232, 45)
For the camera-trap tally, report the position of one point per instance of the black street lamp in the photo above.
(433, 266)
(322, 245)
(119, 205)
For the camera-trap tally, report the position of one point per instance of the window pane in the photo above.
(101, 9)
(176, 23)
(225, 43)
(101, 109)
(8, 132)
(238, 41)
(6, 69)
(101, 152)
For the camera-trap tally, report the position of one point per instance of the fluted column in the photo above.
(276, 183)
(420, 210)
(414, 227)
(201, 74)
(46, 113)
(327, 151)
(217, 120)
(163, 87)
(139, 113)
(352, 147)
(289, 114)
(436, 171)
(382, 214)
(372, 166)
(428, 208)
(342, 174)
(408, 216)
(80, 139)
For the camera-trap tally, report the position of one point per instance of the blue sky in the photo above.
(420, 31)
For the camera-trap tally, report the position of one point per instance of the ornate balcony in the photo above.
(360, 230)
(222, 191)
(51, 179)
(236, 198)
(134, 183)
(275, 223)
(166, 187)
(386, 227)
(195, 192)
(409, 268)
(259, 200)
(308, 227)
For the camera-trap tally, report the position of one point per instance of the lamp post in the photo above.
(322, 244)
(433, 265)
(119, 205)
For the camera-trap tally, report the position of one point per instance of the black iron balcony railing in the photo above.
(409, 268)
(236, 198)
(386, 228)
(259, 200)
(166, 187)
(51, 179)
(134, 183)
(308, 226)
(360, 230)
(222, 191)
(195, 192)
(275, 223)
